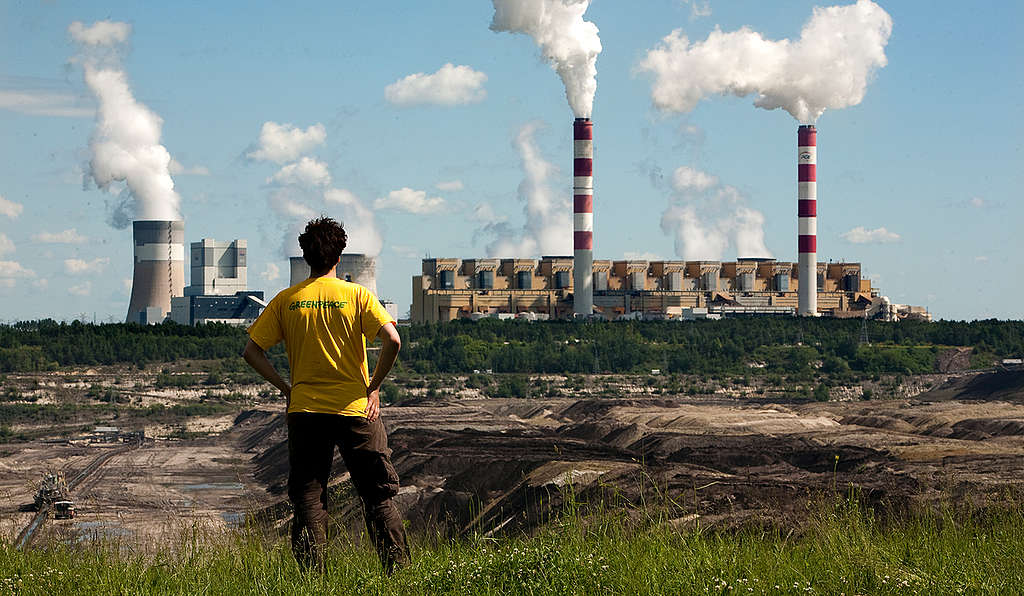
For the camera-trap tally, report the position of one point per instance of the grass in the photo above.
(843, 549)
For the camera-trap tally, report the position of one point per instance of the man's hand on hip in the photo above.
(373, 405)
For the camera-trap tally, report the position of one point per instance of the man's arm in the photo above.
(257, 359)
(385, 360)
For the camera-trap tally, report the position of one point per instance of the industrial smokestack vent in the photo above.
(583, 216)
(807, 213)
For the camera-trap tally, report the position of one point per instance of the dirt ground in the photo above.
(146, 497)
(504, 464)
(497, 465)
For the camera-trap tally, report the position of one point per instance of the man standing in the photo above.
(332, 401)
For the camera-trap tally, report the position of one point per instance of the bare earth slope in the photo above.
(504, 464)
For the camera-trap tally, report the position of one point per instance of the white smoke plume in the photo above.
(125, 146)
(301, 189)
(829, 67)
(568, 42)
(706, 217)
(360, 222)
(548, 213)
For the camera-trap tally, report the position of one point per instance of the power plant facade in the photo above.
(217, 268)
(449, 289)
(583, 214)
(159, 272)
(354, 267)
(807, 215)
(219, 291)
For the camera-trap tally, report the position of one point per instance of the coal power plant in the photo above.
(159, 270)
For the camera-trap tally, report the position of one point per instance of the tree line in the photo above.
(706, 347)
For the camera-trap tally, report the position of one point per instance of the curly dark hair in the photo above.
(322, 242)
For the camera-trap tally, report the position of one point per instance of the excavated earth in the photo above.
(507, 464)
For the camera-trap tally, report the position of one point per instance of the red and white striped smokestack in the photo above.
(807, 210)
(583, 215)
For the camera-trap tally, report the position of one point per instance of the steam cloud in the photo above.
(704, 217)
(548, 214)
(126, 154)
(568, 42)
(301, 189)
(829, 67)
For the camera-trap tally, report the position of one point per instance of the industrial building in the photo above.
(219, 292)
(448, 289)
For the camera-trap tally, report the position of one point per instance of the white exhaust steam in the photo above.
(548, 213)
(302, 188)
(125, 146)
(829, 67)
(568, 42)
(706, 217)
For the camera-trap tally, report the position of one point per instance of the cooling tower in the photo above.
(299, 270)
(159, 269)
(807, 212)
(358, 268)
(583, 215)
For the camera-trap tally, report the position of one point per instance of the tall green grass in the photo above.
(842, 549)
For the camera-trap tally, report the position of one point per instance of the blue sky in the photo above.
(932, 154)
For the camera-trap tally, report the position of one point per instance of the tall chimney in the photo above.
(807, 211)
(159, 269)
(583, 216)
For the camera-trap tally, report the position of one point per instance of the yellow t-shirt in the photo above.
(324, 323)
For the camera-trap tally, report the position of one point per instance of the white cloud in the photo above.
(82, 289)
(10, 208)
(126, 284)
(177, 169)
(981, 259)
(6, 244)
(977, 202)
(450, 186)
(271, 272)
(34, 102)
(14, 270)
(41, 283)
(100, 33)
(281, 143)
(862, 235)
(69, 236)
(411, 201)
(686, 178)
(307, 172)
(451, 85)
(81, 267)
